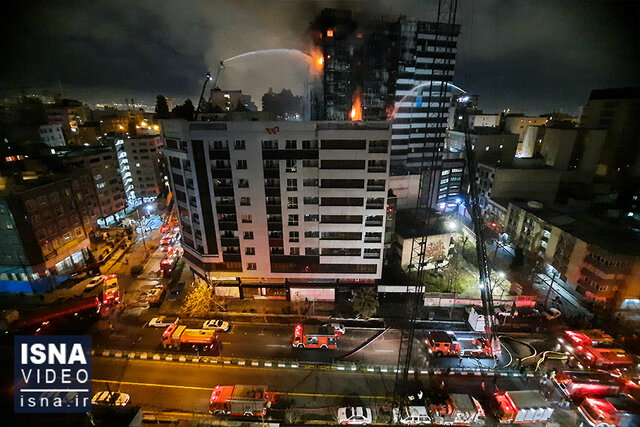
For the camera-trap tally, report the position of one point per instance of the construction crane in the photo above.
(446, 16)
(415, 288)
(207, 79)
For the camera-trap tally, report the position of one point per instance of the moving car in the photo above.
(357, 415)
(162, 322)
(216, 325)
(106, 398)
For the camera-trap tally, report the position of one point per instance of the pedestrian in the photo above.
(460, 359)
(482, 385)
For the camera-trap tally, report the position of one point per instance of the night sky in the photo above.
(530, 56)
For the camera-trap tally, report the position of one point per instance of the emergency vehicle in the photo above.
(111, 291)
(458, 409)
(240, 400)
(595, 349)
(520, 407)
(314, 337)
(581, 384)
(179, 337)
(611, 411)
(441, 343)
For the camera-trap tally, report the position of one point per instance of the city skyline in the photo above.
(522, 56)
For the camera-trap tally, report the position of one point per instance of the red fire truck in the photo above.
(581, 384)
(241, 400)
(445, 343)
(595, 349)
(111, 290)
(179, 337)
(620, 411)
(314, 337)
(520, 407)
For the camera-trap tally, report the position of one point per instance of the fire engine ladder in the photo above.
(415, 287)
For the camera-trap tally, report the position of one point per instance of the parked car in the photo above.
(162, 322)
(106, 398)
(338, 329)
(216, 325)
(96, 281)
(357, 415)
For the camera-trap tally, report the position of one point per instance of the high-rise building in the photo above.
(396, 70)
(281, 202)
(140, 164)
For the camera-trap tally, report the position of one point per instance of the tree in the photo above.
(184, 111)
(162, 108)
(283, 104)
(452, 273)
(365, 302)
(198, 301)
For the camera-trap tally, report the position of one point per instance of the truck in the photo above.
(314, 337)
(620, 411)
(179, 336)
(445, 343)
(457, 409)
(240, 400)
(521, 407)
(111, 290)
(581, 384)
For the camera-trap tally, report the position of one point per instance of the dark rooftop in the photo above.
(411, 224)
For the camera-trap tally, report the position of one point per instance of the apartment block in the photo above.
(141, 164)
(281, 202)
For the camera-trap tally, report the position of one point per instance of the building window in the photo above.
(249, 250)
(291, 166)
(311, 234)
(371, 253)
(291, 144)
(239, 144)
(247, 219)
(312, 251)
(311, 218)
(293, 220)
(269, 145)
(311, 200)
(248, 235)
(252, 266)
(292, 202)
(243, 183)
(310, 182)
(292, 184)
(310, 163)
(294, 236)
(309, 145)
(245, 201)
(294, 251)
(241, 164)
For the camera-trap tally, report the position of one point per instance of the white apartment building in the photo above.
(281, 202)
(140, 165)
(52, 135)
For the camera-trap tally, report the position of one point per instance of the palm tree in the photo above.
(365, 302)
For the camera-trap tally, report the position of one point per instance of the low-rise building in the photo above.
(52, 135)
(596, 258)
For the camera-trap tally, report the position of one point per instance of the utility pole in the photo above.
(144, 243)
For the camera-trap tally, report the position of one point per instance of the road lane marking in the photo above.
(385, 351)
(210, 388)
(278, 345)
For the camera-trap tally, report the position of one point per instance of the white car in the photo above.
(96, 281)
(216, 325)
(106, 398)
(162, 322)
(357, 415)
(411, 416)
(338, 329)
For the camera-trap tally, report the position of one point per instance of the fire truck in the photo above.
(581, 384)
(520, 407)
(314, 337)
(240, 400)
(595, 349)
(458, 409)
(445, 343)
(111, 290)
(179, 337)
(611, 411)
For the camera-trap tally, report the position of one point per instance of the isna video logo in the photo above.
(52, 373)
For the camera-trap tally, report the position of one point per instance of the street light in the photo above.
(451, 225)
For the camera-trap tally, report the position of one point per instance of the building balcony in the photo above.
(229, 241)
(221, 173)
(605, 269)
(276, 243)
(274, 209)
(227, 225)
(226, 209)
(272, 191)
(223, 191)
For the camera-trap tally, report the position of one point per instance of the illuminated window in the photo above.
(329, 33)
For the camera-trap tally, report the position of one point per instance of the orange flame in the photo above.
(317, 61)
(356, 106)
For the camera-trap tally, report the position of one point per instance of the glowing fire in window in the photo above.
(356, 106)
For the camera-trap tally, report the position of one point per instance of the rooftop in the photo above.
(609, 234)
(410, 223)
